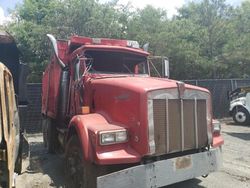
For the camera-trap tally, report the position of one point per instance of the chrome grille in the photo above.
(179, 124)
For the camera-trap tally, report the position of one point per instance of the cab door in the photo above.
(77, 87)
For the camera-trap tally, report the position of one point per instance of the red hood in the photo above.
(141, 84)
(122, 100)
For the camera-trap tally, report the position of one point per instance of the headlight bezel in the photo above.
(216, 126)
(116, 134)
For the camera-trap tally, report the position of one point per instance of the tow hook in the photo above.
(204, 176)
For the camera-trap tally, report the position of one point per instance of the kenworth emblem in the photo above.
(181, 89)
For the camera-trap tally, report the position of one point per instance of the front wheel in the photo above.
(241, 116)
(79, 172)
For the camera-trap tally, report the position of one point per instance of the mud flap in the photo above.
(23, 152)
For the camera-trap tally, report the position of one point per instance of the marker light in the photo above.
(216, 126)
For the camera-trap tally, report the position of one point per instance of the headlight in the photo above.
(113, 137)
(216, 126)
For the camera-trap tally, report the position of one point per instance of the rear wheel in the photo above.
(49, 134)
(241, 116)
(18, 164)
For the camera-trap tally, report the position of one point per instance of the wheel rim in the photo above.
(240, 117)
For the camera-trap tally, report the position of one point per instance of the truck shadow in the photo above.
(50, 165)
(231, 122)
(243, 136)
(193, 183)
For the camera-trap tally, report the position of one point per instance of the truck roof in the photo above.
(81, 40)
(77, 41)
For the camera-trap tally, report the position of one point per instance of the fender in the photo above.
(81, 124)
(87, 128)
(237, 102)
(217, 140)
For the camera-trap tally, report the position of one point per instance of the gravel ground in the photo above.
(42, 170)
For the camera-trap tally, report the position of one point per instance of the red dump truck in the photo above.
(118, 126)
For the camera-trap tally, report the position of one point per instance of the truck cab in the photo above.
(239, 107)
(117, 124)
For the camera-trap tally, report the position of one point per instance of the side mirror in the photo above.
(145, 47)
(166, 67)
(54, 44)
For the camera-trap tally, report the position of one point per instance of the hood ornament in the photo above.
(181, 89)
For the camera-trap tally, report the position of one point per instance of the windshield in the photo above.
(115, 62)
(239, 92)
(239, 95)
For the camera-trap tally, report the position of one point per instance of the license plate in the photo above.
(183, 162)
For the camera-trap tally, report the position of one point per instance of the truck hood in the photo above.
(124, 101)
(140, 83)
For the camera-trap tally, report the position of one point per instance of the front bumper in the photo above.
(165, 172)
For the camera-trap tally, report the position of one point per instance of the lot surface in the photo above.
(42, 170)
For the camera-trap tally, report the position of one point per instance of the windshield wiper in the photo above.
(125, 66)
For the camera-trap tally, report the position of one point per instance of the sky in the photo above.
(170, 5)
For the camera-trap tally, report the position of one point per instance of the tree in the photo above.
(207, 39)
(237, 50)
(35, 18)
(211, 19)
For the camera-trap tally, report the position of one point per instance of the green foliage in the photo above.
(207, 39)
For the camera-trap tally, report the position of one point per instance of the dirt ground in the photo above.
(42, 170)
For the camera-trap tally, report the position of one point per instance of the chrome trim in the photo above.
(167, 120)
(55, 48)
(163, 172)
(182, 126)
(196, 124)
(151, 133)
(174, 94)
(181, 89)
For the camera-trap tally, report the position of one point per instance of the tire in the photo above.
(44, 130)
(241, 116)
(49, 135)
(79, 173)
(18, 163)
